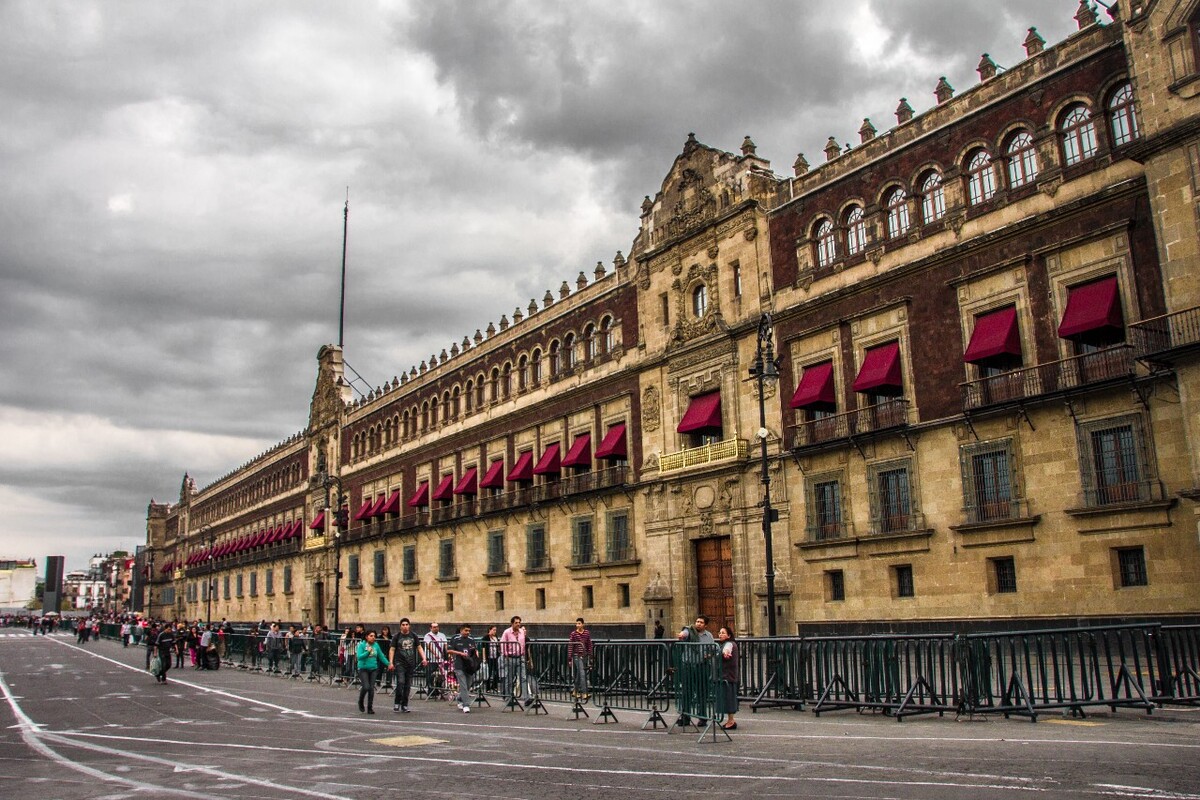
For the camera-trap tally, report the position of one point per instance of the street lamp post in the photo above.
(150, 584)
(212, 582)
(765, 369)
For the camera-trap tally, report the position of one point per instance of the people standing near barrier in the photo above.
(659, 631)
(369, 659)
(275, 647)
(126, 632)
(512, 652)
(405, 652)
(466, 663)
(297, 646)
(207, 649)
(254, 643)
(320, 652)
(434, 642)
(384, 637)
(729, 677)
(697, 633)
(579, 658)
(490, 647)
(181, 639)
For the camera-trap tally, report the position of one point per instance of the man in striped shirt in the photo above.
(579, 658)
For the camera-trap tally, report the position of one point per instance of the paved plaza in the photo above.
(89, 722)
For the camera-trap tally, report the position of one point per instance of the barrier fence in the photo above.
(1023, 673)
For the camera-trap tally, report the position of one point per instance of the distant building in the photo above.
(104, 586)
(18, 582)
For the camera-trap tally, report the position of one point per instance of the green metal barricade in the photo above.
(697, 679)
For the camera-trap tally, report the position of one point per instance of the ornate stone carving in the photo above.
(707, 526)
(768, 389)
(657, 589)
(750, 234)
(713, 251)
(651, 409)
(704, 496)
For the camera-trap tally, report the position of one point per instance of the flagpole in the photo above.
(342, 308)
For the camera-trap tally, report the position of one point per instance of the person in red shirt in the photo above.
(579, 658)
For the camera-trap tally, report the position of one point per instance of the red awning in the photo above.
(816, 389)
(613, 445)
(294, 530)
(549, 463)
(494, 478)
(445, 489)
(580, 454)
(420, 496)
(364, 510)
(392, 506)
(703, 414)
(318, 524)
(1092, 308)
(995, 334)
(469, 485)
(523, 469)
(377, 507)
(880, 372)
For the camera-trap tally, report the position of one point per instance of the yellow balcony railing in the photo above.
(177, 575)
(314, 542)
(728, 450)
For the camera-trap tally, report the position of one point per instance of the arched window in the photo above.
(522, 373)
(606, 334)
(897, 212)
(981, 178)
(554, 365)
(455, 403)
(433, 412)
(404, 424)
(856, 231)
(933, 197)
(589, 342)
(506, 381)
(535, 368)
(479, 381)
(1022, 160)
(425, 416)
(470, 395)
(699, 300)
(445, 406)
(568, 352)
(494, 385)
(826, 244)
(1121, 118)
(1078, 135)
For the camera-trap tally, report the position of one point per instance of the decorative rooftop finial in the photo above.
(478, 336)
(423, 368)
(503, 322)
(800, 165)
(564, 291)
(600, 271)
(748, 146)
(1034, 43)
(532, 306)
(867, 132)
(987, 68)
(581, 281)
(491, 330)
(647, 205)
(466, 344)
(832, 149)
(904, 112)
(517, 315)
(1085, 15)
(443, 358)
(454, 351)
(943, 91)
(618, 260)
(547, 299)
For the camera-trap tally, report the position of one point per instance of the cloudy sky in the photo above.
(172, 177)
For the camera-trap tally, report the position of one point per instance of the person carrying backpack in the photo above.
(466, 664)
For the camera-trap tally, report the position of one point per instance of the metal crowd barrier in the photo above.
(696, 670)
(771, 672)
(1027, 672)
(1179, 649)
(898, 675)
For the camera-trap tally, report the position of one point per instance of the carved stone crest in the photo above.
(651, 409)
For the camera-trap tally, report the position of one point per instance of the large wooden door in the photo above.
(714, 581)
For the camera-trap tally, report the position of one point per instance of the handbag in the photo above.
(156, 666)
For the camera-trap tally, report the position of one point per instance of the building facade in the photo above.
(985, 320)
(18, 583)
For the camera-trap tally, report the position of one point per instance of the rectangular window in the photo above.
(380, 578)
(737, 279)
(582, 548)
(904, 580)
(666, 309)
(1114, 462)
(449, 601)
(622, 595)
(825, 515)
(239, 584)
(1004, 572)
(412, 603)
(254, 584)
(497, 561)
(269, 581)
(989, 488)
(835, 586)
(891, 498)
(353, 577)
(589, 597)
(226, 587)
(537, 555)
(287, 580)
(539, 601)
(382, 604)
(500, 600)
(446, 560)
(619, 547)
(410, 563)
(1131, 566)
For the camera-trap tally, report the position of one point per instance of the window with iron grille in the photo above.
(410, 563)
(825, 508)
(269, 581)
(891, 496)
(226, 587)
(537, 553)
(497, 562)
(904, 580)
(239, 584)
(989, 481)
(835, 585)
(1131, 566)
(287, 580)
(168, 595)
(1005, 573)
(446, 567)
(254, 584)
(380, 577)
(353, 576)
(583, 549)
(619, 547)
(1114, 461)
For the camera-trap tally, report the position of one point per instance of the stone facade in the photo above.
(985, 319)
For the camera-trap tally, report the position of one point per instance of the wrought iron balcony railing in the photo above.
(727, 450)
(1159, 338)
(1052, 378)
(884, 416)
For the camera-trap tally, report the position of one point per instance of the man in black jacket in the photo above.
(165, 643)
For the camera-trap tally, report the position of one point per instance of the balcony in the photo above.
(1052, 379)
(728, 450)
(865, 423)
(1161, 340)
(314, 542)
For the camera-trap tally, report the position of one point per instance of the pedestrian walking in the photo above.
(166, 643)
(405, 652)
(729, 677)
(466, 663)
(370, 659)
